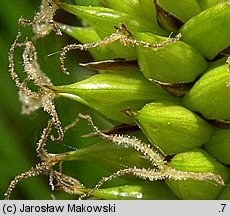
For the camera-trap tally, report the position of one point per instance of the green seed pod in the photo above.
(109, 93)
(219, 145)
(198, 31)
(139, 191)
(88, 35)
(210, 95)
(173, 63)
(172, 127)
(197, 160)
(204, 4)
(172, 14)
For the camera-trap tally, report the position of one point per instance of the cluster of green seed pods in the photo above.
(163, 76)
(185, 127)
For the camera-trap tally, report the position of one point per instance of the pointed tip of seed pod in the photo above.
(129, 112)
(217, 180)
(221, 181)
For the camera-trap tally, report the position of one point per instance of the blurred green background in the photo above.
(19, 133)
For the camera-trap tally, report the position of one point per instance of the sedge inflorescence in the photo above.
(183, 120)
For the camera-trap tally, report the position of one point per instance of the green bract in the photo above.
(172, 127)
